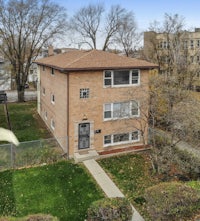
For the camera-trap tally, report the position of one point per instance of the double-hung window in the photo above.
(121, 110)
(114, 78)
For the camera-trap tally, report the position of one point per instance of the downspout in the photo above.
(38, 90)
(68, 115)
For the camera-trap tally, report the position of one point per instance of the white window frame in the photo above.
(130, 138)
(52, 124)
(45, 115)
(111, 109)
(120, 85)
(43, 91)
(52, 98)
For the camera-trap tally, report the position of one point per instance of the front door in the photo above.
(84, 136)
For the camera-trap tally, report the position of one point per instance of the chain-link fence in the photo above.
(31, 153)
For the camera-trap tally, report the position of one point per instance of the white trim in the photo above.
(120, 85)
(52, 124)
(122, 142)
(43, 91)
(52, 98)
(125, 117)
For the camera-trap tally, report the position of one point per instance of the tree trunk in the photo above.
(20, 92)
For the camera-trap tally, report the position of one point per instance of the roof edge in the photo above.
(98, 68)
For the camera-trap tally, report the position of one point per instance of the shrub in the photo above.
(40, 217)
(188, 162)
(169, 201)
(110, 209)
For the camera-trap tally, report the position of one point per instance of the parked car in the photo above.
(26, 85)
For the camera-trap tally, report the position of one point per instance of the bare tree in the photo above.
(25, 27)
(127, 35)
(90, 25)
(86, 22)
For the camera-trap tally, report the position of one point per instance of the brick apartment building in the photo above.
(99, 100)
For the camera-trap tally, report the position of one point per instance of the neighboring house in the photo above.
(157, 46)
(5, 75)
(99, 100)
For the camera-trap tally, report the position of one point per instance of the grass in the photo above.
(64, 190)
(132, 174)
(25, 121)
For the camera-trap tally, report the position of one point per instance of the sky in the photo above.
(145, 11)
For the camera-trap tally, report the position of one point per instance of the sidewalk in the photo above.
(106, 184)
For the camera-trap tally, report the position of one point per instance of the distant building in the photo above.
(157, 45)
(5, 74)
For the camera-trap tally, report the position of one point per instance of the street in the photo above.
(29, 95)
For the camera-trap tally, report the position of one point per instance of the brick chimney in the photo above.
(50, 50)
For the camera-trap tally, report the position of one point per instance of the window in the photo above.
(84, 93)
(135, 136)
(52, 98)
(52, 124)
(121, 110)
(107, 139)
(135, 77)
(191, 59)
(134, 108)
(43, 91)
(52, 71)
(191, 44)
(121, 77)
(45, 115)
(107, 111)
(164, 44)
(198, 59)
(198, 43)
(43, 67)
(107, 78)
(122, 138)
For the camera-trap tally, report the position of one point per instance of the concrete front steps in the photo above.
(85, 155)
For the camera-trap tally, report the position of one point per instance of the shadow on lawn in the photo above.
(7, 202)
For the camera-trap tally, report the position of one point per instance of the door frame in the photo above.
(75, 139)
(87, 136)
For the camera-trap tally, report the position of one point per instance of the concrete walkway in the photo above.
(106, 184)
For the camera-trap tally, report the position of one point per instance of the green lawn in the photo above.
(131, 173)
(64, 190)
(25, 121)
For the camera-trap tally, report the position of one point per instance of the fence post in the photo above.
(13, 155)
